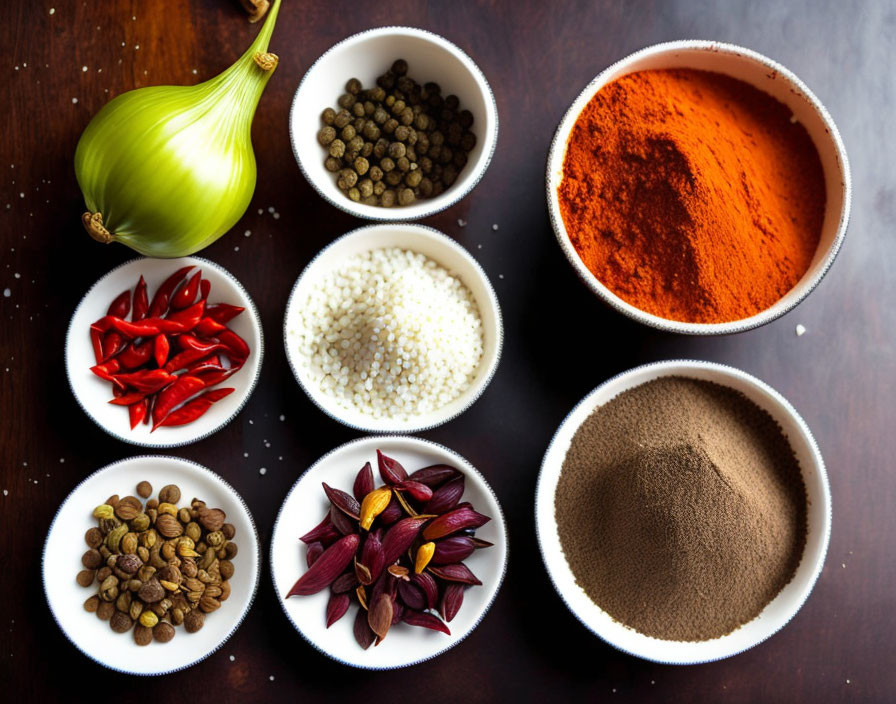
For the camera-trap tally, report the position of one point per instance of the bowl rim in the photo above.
(214, 477)
(254, 316)
(761, 318)
(490, 292)
(672, 367)
(444, 200)
(427, 445)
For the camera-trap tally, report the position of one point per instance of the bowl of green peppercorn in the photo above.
(394, 123)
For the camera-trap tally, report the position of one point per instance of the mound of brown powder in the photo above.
(681, 509)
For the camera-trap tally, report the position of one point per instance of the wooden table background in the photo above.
(560, 341)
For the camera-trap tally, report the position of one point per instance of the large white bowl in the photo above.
(65, 545)
(306, 504)
(448, 254)
(93, 394)
(779, 611)
(365, 56)
(766, 75)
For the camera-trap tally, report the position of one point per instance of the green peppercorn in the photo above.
(386, 81)
(379, 188)
(367, 149)
(326, 135)
(403, 164)
(455, 132)
(355, 143)
(413, 178)
(421, 121)
(386, 164)
(358, 110)
(380, 116)
(387, 200)
(406, 117)
(343, 117)
(346, 100)
(411, 154)
(327, 116)
(397, 149)
(354, 194)
(398, 107)
(361, 165)
(337, 148)
(465, 117)
(400, 67)
(468, 141)
(375, 174)
(353, 86)
(348, 132)
(390, 125)
(405, 196)
(365, 187)
(347, 179)
(371, 131)
(434, 152)
(393, 178)
(425, 187)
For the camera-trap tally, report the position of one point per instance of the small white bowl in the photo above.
(65, 544)
(448, 254)
(365, 56)
(779, 611)
(766, 75)
(305, 505)
(93, 394)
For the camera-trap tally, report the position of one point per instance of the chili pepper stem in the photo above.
(93, 223)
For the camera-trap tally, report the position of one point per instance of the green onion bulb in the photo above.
(167, 170)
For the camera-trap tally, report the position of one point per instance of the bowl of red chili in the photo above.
(164, 352)
(699, 188)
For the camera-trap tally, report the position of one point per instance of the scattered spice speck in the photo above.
(500, 276)
(62, 460)
(236, 249)
(272, 678)
(247, 233)
(194, 73)
(263, 470)
(495, 229)
(232, 658)
(260, 211)
(245, 454)
(282, 417)
(6, 492)
(270, 208)
(21, 195)
(461, 222)
(17, 275)
(84, 69)
(800, 330)
(74, 101)
(276, 216)
(52, 10)
(7, 293)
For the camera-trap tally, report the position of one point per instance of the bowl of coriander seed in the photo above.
(394, 123)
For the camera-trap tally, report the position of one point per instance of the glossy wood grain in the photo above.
(58, 69)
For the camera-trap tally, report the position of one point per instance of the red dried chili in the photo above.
(186, 294)
(195, 409)
(141, 302)
(160, 301)
(121, 306)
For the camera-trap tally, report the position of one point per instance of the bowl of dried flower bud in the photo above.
(388, 552)
(394, 123)
(151, 564)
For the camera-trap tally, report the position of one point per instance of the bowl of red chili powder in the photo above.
(699, 187)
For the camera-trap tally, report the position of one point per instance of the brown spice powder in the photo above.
(681, 509)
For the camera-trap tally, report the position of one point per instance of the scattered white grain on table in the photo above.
(391, 334)
(800, 330)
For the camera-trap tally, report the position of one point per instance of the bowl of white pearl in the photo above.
(393, 328)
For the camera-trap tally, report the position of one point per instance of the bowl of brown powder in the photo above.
(699, 188)
(683, 511)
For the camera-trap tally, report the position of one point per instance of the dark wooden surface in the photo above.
(560, 342)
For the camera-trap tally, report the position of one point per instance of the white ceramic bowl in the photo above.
(93, 394)
(65, 545)
(447, 253)
(306, 504)
(365, 56)
(779, 611)
(770, 77)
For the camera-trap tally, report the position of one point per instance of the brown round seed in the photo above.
(169, 494)
(142, 635)
(120, 622)
(92, 559)
(105, 610)
(93, 537)
(85, 577)
(92, 604)
(163, 632)
(144, 490)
